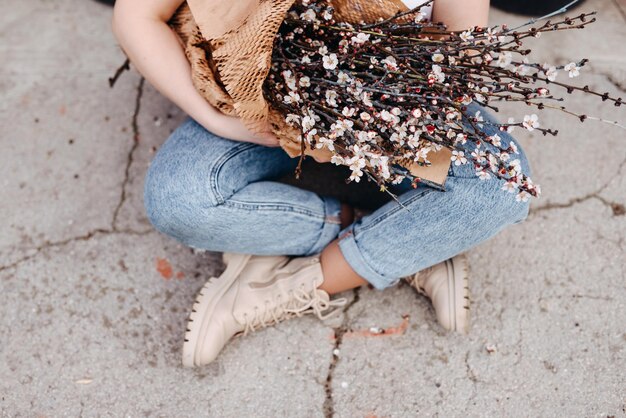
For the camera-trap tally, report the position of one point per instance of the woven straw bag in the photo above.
(229, 46)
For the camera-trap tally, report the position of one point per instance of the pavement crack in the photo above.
(101, 231)
(618, 208)
(468, 369)
(131, 152)
(329, 403)
(86, 237)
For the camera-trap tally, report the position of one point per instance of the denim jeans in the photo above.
(217, 194)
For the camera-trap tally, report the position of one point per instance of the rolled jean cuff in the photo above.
(331, 224)
(356, 260)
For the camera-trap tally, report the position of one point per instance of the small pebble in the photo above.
(336, 352)
(344, 384)
(376, 330)
(491, 348)
(84, 381)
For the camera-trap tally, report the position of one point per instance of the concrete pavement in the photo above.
(94, 301)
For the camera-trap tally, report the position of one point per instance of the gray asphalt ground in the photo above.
(92, 321)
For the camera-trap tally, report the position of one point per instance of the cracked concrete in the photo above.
(95, 301)
(129, 162)
(338, 334)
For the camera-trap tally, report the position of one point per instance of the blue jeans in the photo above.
(213, 193)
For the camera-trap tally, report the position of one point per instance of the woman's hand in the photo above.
(322, 159)
(233, 128)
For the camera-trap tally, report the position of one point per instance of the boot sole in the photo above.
(459, 293)
(203, 308)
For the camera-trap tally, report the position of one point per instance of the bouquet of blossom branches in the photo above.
(396, 90)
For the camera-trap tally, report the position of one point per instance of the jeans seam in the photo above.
(259, 206)
(394, 210)
(331, 221)
(219, 163)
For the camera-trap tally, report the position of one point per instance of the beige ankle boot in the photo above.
(446, 286)
(253, 292)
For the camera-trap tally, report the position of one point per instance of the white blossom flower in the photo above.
(343, 78)
(291, 84)
(510, 186)
(366, 100)
(348, 111)
(292, 119)
(325, 142)
(492, 34)
(355, 163)
(495, 140)
(504, 59)
(365, 116)
(293, 97)
(331, 98)
(466, 99)
(306, 59)
(516, 165)
(310, 135)
(522, 70)
(531, 122)
(572, 69)
(460, 138)
(309, 15)
(330, 61)
(305, 81)
(479, 119)
(337, 159)
(391, 63)
(513, 146)
(307, 123)
(550, 72)
(482, 174)
(466, 36)
(386, 116)
(416, 113)
(543, 92)
(323, 50)
(510, 128)
(360, 38)
(420, 17)
(479, 156)
(458, 157)
(341, 126)
(438, 57)
(522, 196)
(437, 73)
(413, 141)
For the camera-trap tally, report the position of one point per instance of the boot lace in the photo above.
(418, 278)
(299, 302)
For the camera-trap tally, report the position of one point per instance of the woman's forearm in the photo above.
(461, 14)
(156, 52)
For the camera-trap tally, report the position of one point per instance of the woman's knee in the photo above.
(177, 182)
(504, 208)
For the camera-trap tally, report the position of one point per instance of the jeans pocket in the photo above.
(220, 195)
